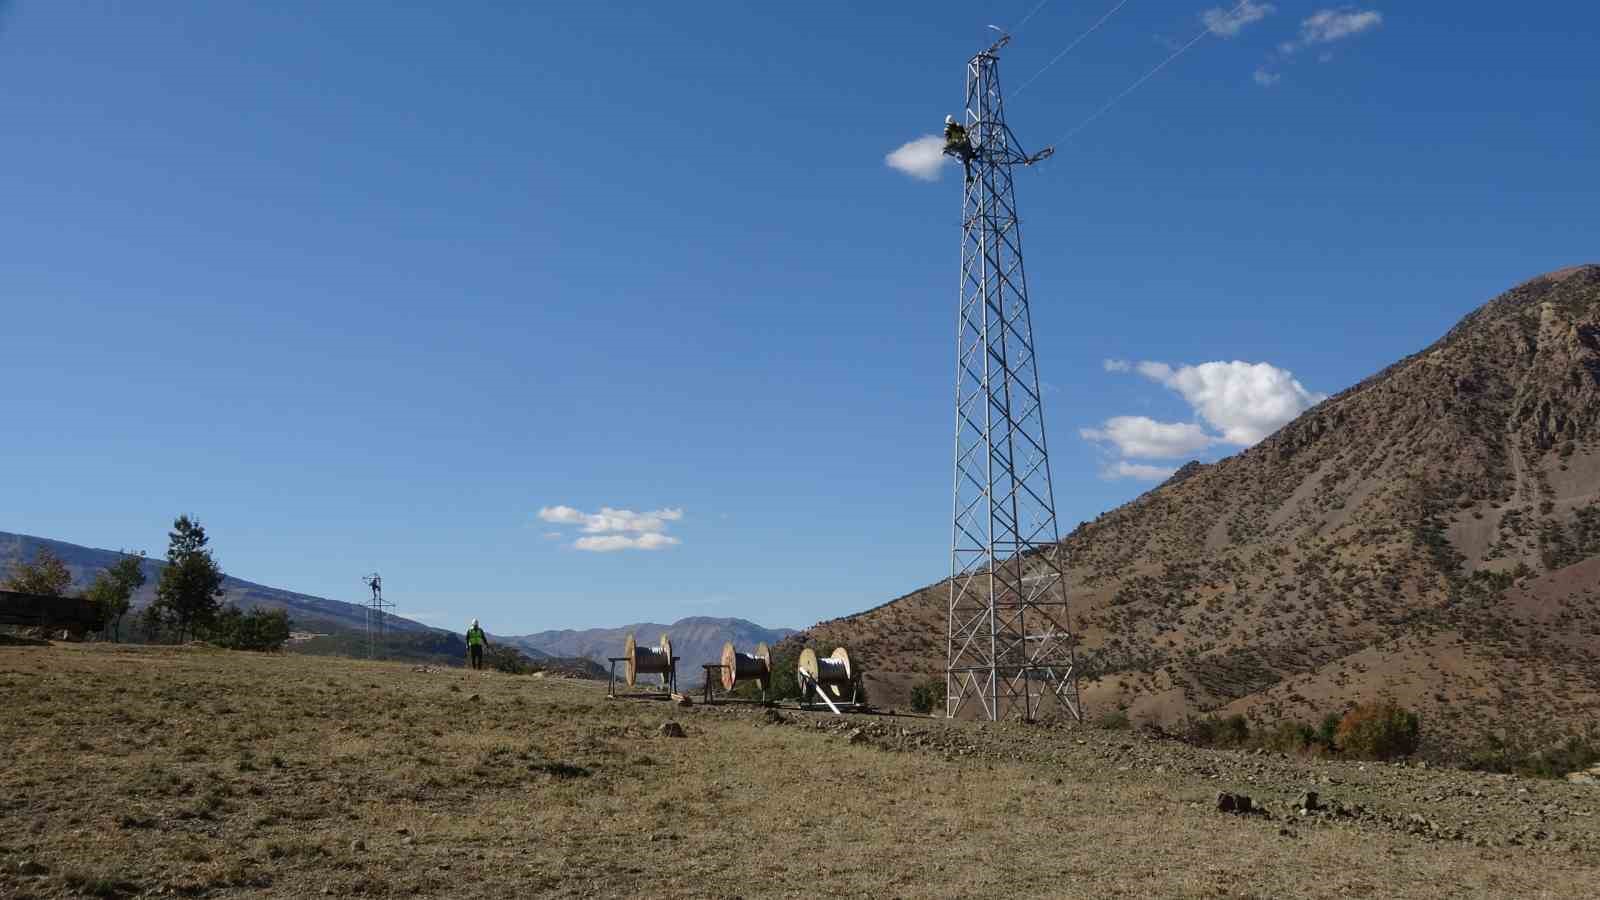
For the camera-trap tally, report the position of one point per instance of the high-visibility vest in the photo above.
(474, 637)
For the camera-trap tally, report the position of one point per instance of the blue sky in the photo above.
(370, 286)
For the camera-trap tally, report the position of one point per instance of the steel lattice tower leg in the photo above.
(1010, 641)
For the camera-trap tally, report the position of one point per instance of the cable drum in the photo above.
(832, 672)
(737, 667)
(648, 660)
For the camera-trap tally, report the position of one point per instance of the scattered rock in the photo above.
(855, 736)
(773, 717)
(473, 699)
(1233, 803)
(1307, 802)
(671, 730)
(1589, 776)
(357, 845)
(32, 867)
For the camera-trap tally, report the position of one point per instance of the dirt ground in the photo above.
(130, 772)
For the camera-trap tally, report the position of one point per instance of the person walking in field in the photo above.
(476, 641)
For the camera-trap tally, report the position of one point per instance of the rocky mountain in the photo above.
(1431, 534)
(695, 640)
(309, 613)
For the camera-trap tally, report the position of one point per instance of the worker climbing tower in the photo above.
(1010, 644)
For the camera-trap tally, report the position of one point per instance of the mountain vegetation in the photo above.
(1428, 537)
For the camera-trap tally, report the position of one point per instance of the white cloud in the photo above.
(1140, 471)
(922, 158)
(1329, 25)
(615, 529)
(1235, 403)
(607, 543)
(1141, 437)
(609, 519)
(1244, 401)
(1154, 370)
(1227, 22)
(1265, 78)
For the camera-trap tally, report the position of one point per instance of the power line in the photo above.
(1075, 42)
(1146, 77)
(1018, 27)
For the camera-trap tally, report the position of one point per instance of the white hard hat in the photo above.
(949, 120)
(474, 623)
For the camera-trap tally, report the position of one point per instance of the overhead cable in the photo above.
(1146, 77)
(1075, 42)
(1018, 27)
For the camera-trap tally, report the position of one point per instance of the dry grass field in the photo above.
(195, 772)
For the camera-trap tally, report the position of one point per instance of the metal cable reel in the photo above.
(745, 667)
(832, 678)
(643, 660)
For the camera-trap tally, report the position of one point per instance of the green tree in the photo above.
(258, 629)
(46, 575)
(188, 596)
(112, 591)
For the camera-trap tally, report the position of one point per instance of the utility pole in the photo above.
(1011, 647)
(375, 608)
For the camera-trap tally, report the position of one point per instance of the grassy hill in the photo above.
(1428, 535)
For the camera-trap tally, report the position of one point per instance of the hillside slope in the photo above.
(695, 640)
(1429, 533)
(308, 612)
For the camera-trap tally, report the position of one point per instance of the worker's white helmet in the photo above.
(474, 623)
(949, 120)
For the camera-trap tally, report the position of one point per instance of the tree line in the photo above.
(188, 603)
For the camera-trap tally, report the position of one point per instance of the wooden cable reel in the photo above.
(647, 660)
(743, 667)
(832, 673)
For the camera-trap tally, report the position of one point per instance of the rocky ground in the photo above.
(1435, 804)
(193, 772)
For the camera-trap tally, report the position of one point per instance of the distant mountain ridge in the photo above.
(309, 613)
(695, 640)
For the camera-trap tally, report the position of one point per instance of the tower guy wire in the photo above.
(1010, 647)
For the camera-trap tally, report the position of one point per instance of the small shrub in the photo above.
(1116, 720)
(1233, 731)
(1290, 737)
(1538, 756)
(929, 696)
(1379, 731)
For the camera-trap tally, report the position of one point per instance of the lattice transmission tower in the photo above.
(1011, 647)
(375, 607)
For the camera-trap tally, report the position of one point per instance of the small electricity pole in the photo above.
(375, 608)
